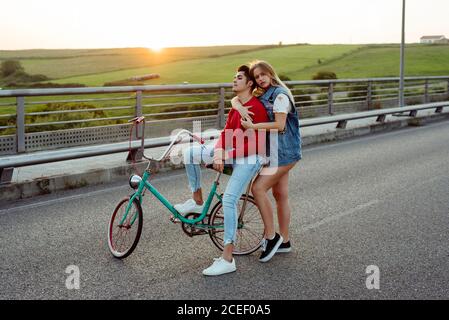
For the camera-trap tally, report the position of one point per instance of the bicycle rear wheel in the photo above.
(123, 238)
(249, 232)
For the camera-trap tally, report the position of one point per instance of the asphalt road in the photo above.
(379, 200)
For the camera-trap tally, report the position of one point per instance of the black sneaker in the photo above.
(284, 247)
(269, 248)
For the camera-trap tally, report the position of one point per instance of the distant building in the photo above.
(434, 40)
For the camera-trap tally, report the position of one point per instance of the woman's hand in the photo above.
(219, 157)
(247, 124)
(235, 102)
(244, 112)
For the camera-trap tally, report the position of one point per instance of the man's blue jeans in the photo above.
(244, 169)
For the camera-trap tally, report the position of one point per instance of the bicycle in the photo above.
(128, 215)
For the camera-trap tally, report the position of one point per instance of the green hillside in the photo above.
(383, 61)
(286, 59)
(94, 67)
(68, 63)
(297, 62)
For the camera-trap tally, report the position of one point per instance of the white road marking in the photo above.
(332, 144)
(80, 196)
(357, 209)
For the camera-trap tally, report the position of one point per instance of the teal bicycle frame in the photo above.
(145, 184)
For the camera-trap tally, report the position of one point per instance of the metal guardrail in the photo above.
(7, 165)
(34, 117)
(39, 119)
(85, 152)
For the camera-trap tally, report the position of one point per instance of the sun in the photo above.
(156, 49)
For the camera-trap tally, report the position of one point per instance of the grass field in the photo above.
(297, 62)
(68, 63)
(286, 59)
(217, 64)
(375, 61)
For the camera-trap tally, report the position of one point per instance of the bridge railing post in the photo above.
(138, 110)
(20, 124)
(330, 98)
(221, 109)
(447, 89)
(369, 95)
(426, 91)
(139, 131)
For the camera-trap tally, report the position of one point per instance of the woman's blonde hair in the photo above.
(275, 81)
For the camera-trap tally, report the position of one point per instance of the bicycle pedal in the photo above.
(174, 220)
(199, 232)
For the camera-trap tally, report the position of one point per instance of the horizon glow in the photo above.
(83, 24)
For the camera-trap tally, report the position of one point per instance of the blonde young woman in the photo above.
(285, 152)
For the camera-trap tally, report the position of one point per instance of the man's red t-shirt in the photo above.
(240, 142)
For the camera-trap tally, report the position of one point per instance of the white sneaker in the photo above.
(219, 267)
(189, 206)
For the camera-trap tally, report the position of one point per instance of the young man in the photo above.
(240, 149)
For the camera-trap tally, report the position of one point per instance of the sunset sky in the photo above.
(29, 24)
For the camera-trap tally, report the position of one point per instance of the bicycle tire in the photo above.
(113, 238)
(250, 219)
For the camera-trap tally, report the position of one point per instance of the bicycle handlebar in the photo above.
(175, 141)
(141, 119)
(137, 119)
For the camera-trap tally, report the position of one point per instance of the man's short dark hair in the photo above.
(245, 69)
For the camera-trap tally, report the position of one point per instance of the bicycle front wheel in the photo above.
(124, 234)
(250, 229)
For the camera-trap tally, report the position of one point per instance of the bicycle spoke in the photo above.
(241, 240)
(253, 233)
(123, 239)
(221, 239)
(248, 239)
(119, 241)
(249, 214)
(121, 234)
(252, 225)
(126, 238)
(116, 240)
(248, 234)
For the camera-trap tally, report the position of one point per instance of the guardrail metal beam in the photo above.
(365, 92)
(184, 87)
(26, 160)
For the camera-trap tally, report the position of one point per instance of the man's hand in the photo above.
(244, 112)
(219, 157)
(247, 124)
